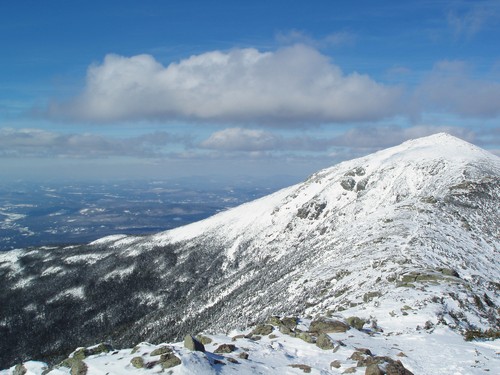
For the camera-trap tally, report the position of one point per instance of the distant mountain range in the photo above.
(406, 238)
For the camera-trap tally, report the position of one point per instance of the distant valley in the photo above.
(51, 214)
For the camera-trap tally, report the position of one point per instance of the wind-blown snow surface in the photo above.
(415, 225)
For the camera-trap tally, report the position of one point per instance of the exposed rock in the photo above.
(79, 354)
(448, 272)
(101, 348)
(274, 320)
(335, 364)
(135, 349)
(150, 364)
(192, 344)
(358, 171)
(290, 322)
(324, 342)
(263, 329)
(19, 370)
(225, 348)
(311, 211)
(326, 325)
(204, 339)
(350, 370)
(232, 360)
(161, 350)
(169, 360)
(367, 297)
(364, 351)
(428, 325)
(82, 353)
(443, 275)
(79, 368)
(306, 337)
(355, 322)
(373, 370)
(369, 360)
(348, 183)
(429, 199)
(361, 185)
(285, 330)
(305, 368)
(397, 368)
(137, 362)
(243, 355)
(357, 356)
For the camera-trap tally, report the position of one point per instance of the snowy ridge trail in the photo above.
(407, 237)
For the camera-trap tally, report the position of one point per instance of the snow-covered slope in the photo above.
(411, 228)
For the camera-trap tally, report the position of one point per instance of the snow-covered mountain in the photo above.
(404, 238)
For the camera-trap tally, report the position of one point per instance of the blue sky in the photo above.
(159, 89)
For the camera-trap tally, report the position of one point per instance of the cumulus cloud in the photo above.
(42, 143)
(449, 88)
(295, 85)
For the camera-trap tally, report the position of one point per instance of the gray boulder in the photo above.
(324, 342)
(19, 370)
(193, 344)
(326, 325)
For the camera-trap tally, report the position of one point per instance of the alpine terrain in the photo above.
(398, 250)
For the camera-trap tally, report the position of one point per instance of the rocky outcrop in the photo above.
(327, 325)
(193, 344)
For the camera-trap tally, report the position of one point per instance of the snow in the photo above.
(77, 292)
(85, 258)
(120, 273)
(108, 239)
(52, 270)
(442, 352)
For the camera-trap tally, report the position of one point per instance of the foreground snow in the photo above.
(437, 351)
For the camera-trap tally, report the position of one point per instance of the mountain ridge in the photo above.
(415, 224)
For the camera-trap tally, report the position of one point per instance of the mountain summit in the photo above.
(410, 228)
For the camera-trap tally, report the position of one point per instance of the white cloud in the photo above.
(292, 85)
(450, 89)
